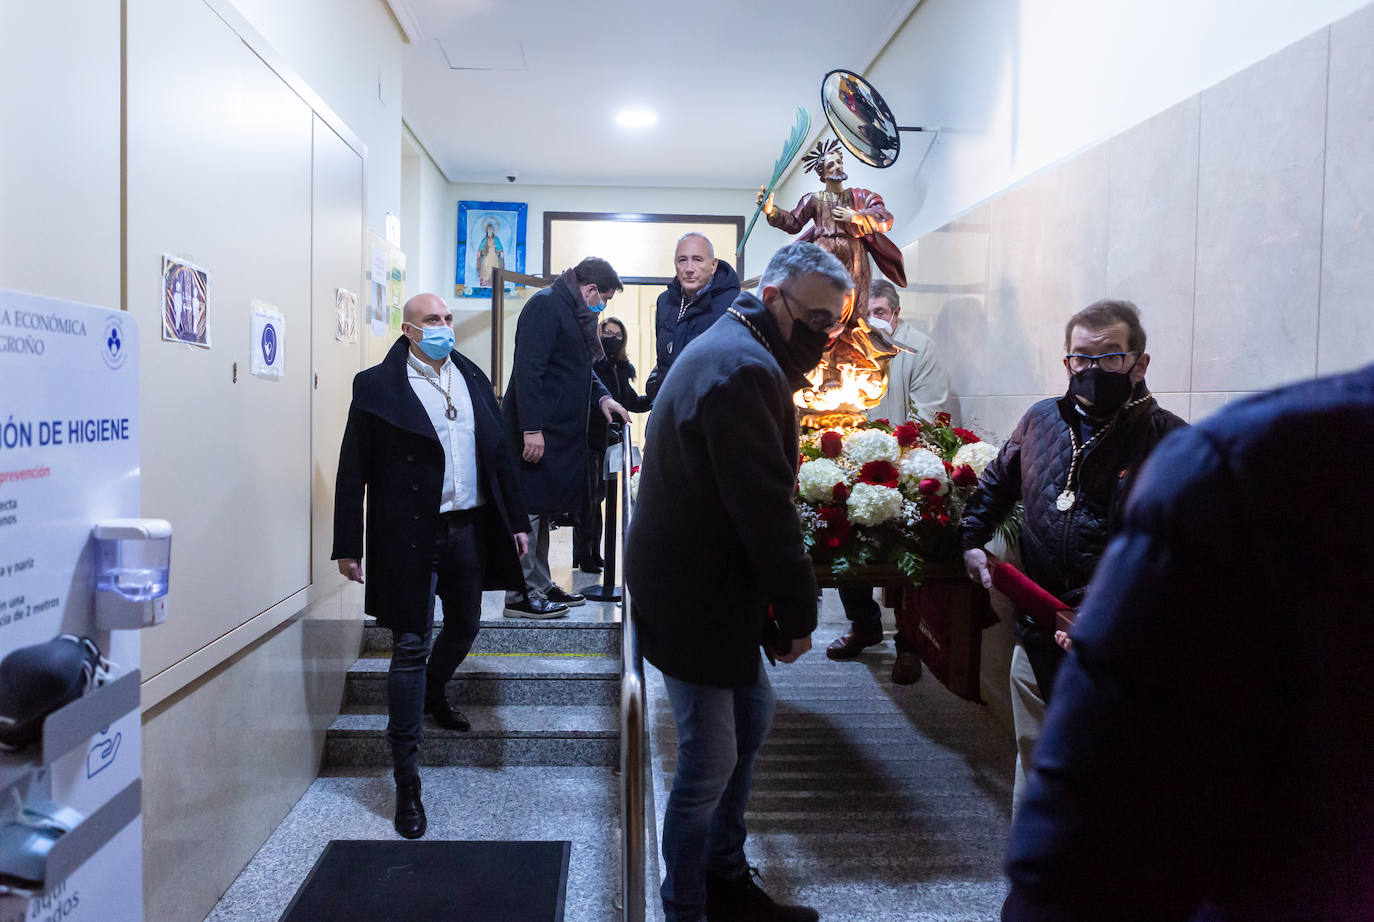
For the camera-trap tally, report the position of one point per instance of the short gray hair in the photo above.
(798, 259)
(709, 249)
(882, 288)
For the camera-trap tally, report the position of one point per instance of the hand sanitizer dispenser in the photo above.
(132, 559)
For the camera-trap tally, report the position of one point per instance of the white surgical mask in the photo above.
(879, 324)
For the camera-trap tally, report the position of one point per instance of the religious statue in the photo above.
(851, 224)
(490, 256)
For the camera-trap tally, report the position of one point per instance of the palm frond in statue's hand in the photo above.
(790, 148)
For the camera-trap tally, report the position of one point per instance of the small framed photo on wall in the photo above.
(491, 235)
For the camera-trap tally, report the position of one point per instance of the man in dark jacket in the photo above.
(551, 391)
(701, 289)
(1208, 751)
(1070, 461)
(444, 517)
(715, 504)
(616, 372)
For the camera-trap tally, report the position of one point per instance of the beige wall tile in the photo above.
(1152, 219)
(1259, 222)
(1205, 404)
(1346, 333)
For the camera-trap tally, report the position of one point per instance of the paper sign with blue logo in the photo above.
(267, 348)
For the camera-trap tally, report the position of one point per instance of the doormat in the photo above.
(357, 880)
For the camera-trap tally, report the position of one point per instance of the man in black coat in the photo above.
(551, 392)
(424, 442)
(716, 566)
(1207, 754)
(1070, 462)
(701, 289)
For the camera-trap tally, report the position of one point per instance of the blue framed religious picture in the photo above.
(491, 235)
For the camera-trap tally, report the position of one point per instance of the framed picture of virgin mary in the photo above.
(491, 235)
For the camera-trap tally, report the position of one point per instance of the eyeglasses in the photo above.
(818, 320)
(1111, 362)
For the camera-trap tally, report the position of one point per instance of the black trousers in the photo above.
(587, 531)
(459, 566)
(861, 608)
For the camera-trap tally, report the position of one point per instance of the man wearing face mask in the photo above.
(1070, 461)
(424, 442)
(916, 381)
(715, 564)
(701, 289)
(552, 391)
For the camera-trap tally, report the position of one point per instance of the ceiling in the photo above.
(534, 86)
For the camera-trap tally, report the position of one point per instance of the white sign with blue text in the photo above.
(69, 457)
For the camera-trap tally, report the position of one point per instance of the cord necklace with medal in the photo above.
(451, 413)
(1065, 501)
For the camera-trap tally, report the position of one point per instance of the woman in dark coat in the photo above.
(616, 372)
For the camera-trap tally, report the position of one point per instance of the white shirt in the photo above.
(458, 436)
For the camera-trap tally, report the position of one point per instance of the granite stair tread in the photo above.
(516, 666)
(512, 721)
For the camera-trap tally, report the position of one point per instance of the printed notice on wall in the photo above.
(269, 355)
(69, 456)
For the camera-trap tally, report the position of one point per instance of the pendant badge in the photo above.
(452, 414)
(1065, 501)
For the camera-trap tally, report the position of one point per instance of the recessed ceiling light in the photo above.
(636, 118)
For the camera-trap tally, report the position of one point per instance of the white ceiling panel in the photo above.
(535, 85)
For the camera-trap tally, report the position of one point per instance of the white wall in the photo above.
(425, 208)
(1020, 84)
(349, 52)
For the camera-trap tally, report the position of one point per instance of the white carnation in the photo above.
(816, 480)
(870, 504)
(634, 485)
(921, 464)
(976, 455)
(865, 445)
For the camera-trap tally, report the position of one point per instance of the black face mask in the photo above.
(1101, 393)
(612, 345)
(802, 353)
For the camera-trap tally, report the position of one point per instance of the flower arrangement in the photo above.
(875, 494)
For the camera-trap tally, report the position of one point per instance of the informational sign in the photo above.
(268, 347)
(69, 456)
(345, 315)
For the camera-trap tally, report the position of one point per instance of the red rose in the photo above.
(943, 520)
(634, 470)
(831, 443)
(881, 473)
(883, 422)
(907, 434)
(839, 492)
(968, 437)
(928, 487)
(964, 476)
(942, 419)
(949, 468)
(833, 515)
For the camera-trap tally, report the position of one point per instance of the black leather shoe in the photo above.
(852, 644)
(907, 669)
(590, 568)
(410, 813)
(535, 606)
(444, 714)
(741, 899)
(570, 599)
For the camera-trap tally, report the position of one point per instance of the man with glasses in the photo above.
(716, 567)
(1070, 462)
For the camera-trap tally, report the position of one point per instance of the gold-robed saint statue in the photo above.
(850, 223)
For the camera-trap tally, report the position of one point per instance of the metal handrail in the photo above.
(632, 724)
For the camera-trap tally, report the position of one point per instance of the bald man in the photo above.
(425, 443)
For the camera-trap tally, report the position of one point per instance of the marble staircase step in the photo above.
(505, 679)
(586, 636)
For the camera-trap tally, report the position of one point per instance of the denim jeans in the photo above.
(456, 578)
(720, 731)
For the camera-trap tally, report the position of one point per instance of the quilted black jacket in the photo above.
(1060, 549)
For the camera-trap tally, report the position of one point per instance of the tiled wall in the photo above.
(1240, 221)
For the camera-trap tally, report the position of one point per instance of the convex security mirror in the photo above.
(132, 563)
(861, 119)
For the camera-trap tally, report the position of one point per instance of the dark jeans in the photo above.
(587, 531)
(860, 608)
(460, 560)
(720, 731)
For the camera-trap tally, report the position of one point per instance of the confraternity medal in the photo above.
(1065, 501)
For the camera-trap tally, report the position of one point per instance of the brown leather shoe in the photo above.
(907, 669)
(852, 644)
